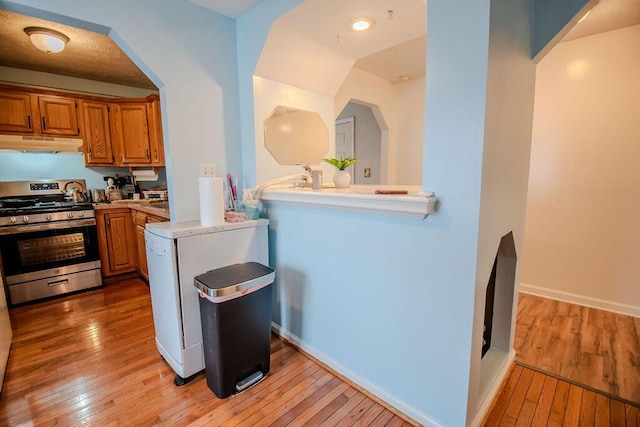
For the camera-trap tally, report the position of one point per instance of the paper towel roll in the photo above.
(211, 201)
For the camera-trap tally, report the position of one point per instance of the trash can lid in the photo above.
(234, 278)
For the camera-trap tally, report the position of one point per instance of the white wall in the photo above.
(367, 143)
(290, 58)
(419, 302)
(409, 135)
(582, 229)
(268, 95)
(189, 52)
(505, 168)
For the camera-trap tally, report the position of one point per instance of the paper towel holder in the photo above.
(146, 175)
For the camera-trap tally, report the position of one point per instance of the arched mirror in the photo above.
(296, 137)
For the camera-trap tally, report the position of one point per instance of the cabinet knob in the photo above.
(44, 124)
(90, 154)
(29, 121)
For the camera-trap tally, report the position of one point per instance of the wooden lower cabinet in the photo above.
(141, 219)
(117, 241)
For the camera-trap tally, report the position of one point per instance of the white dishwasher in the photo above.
(176, 253)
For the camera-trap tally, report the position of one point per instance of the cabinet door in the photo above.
(132, 129)
(142, 267)
(120, 242)
(98, 150)
(58, 116)
(156, 143)
(15, 112)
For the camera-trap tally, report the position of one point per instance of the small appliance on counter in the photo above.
(98, 195)
(113, 192)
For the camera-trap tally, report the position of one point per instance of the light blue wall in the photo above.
(29, 166)
(391, 301)
(252, 31)
(550, 18)
(189, 52)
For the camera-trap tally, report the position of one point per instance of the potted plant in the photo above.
(342, 178)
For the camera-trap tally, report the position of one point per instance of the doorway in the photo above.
(366, 137)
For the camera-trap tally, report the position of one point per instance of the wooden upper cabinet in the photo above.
(15, 112)
(98, 149)
(58, 116)
(156, 143)
(131, 133)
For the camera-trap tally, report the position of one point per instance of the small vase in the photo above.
(342, 179)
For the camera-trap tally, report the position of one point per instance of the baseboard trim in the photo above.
(615, 307)
(399, 408)
(492, 393)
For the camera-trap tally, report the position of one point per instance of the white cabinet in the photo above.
(176, 253)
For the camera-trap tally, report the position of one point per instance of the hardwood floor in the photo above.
(575, 366)
(531, 398)
(91, 359)
(595, 348)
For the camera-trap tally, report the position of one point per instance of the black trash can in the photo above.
(235, 311)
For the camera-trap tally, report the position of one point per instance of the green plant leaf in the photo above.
(341, 164)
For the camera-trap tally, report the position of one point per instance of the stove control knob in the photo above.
(13, 219)
(69, 214)
(80, 214)
(25, 219)
(48, 217)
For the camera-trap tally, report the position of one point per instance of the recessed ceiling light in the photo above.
(47, 40)
(362, 24)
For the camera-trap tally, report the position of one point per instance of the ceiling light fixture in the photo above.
(47, 40)
(362, 24)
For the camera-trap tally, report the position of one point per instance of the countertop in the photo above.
(416, 204)
(160, 209)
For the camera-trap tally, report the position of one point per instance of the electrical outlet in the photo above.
(207, 170)
(367, 172)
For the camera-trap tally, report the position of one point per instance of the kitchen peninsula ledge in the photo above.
(358, 198)
(144, 207)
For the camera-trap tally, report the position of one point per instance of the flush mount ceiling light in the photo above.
(47, 40)
(361, 24)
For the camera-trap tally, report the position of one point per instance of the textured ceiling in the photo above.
(88, 55)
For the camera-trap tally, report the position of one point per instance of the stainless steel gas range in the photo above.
(48, 239)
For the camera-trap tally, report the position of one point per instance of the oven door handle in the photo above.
(58, 225)
(58, 282)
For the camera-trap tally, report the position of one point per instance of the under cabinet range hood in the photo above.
(40, 144)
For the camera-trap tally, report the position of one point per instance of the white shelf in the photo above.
(358, 198)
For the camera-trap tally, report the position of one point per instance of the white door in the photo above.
(345, 140)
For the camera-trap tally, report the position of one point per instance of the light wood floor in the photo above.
(91, 359)
(531, 398)
(592, 347)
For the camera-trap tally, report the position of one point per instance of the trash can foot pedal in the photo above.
(179, 381)
(252, 379)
